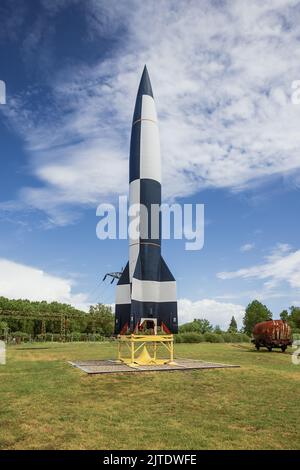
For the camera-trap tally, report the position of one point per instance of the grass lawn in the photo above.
(45, 403)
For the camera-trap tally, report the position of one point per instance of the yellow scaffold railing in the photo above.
(145, 350)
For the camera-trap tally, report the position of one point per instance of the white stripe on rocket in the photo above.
(123, 294)
(153, 291)
(150, 164)
(148, 108)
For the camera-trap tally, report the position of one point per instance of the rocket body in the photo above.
(146, 289)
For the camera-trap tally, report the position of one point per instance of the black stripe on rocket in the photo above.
(151, 266)
(150, 197)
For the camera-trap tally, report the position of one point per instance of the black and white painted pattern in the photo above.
(146, 289)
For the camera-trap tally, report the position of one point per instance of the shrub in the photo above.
(189, 338)
(197, 326)
(244, 338)
(98, 337)
(234, 338)
(177, 338)
(193, 337)
(56, 337)
(239, 338)
(75, 336)
(20, 334)
(48, 337)
(227, 337)
(213, 337)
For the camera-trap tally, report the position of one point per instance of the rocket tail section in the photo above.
(153, 293)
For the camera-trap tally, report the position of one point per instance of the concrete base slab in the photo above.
(113, 367)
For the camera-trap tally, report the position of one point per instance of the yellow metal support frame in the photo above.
(143, 350)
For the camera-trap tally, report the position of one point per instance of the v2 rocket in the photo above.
(146, 289)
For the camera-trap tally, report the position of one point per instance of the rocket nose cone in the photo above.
(145, 87)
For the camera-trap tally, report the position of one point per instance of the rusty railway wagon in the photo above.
(272, 334)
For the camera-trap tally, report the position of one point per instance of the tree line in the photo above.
(41, 317)
(255, 312)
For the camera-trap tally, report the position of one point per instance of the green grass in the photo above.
(45, 403)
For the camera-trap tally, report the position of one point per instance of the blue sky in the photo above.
(221, 74)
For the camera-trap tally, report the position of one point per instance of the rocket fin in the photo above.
(123, 303)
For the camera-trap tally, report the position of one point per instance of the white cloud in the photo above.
(218, 313)
(18, 281)
(247, 247)
(281, 267)
(221, 75)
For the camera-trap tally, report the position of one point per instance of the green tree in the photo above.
(103, 319)
(197, 325)
(255, 312)
(232, 326)
(3, 329)
(217, 330)
(294, 318)
(77, 319)
(284, 315)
